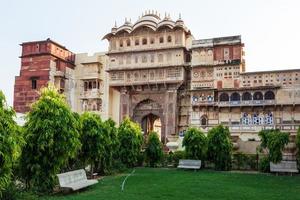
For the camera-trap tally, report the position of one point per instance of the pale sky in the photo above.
(270, 29)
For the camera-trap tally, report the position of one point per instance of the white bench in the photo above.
(284, 166)
(189, 164)
(75, 180)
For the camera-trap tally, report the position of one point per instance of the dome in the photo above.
(150, 20)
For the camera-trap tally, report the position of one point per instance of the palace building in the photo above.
(159, 75)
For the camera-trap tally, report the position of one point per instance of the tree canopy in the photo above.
(52, 138)
(274, 140)
(154, 149)
(220, 147)
(130, 139)
(195, 143)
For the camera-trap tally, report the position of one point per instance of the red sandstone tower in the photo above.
(41, 62)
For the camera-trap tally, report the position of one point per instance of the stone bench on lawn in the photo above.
(189, 164)
(75, 180)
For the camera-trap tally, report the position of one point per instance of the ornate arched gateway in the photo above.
(150, 115)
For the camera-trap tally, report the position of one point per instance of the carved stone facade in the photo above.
(147, 64)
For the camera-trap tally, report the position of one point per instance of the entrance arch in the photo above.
(149, 114)
(151, 123)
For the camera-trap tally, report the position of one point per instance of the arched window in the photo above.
(128, 42)
(161, 40)
(258, 96)
(169, 38)
(137, 42)
(235, 97)
(224, 97)
(204, 120)
(144, 41)
(121, 43)
(247, 96)
(269, 95)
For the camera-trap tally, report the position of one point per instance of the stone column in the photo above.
(171, 113)
(124, 103)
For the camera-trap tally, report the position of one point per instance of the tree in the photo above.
(111, 147)
(220, 147)
(130, 138)
(52, 138)
(154, 149)
(9, 143)
(94, 138)
(195, 143)
(274, 141)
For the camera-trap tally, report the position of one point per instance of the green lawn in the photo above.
(175, 184)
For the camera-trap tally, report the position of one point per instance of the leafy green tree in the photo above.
(52, 138)
(130, 138)
(154, 149)
(195, 143)
(94, 139)
(220, 147)
(9, 143)
(274, 141)
(111, 146)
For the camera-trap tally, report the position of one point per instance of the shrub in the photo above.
(52, 138)
(195, 143)
(15, 193)
(10, 140)
(274, 141)
(220, 147)
(244, 161)
(154, 149)
(264, 164)
(178, 155)
(130, 139)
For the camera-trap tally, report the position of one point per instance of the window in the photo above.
(204, 120)
(246, 96)
(169, 38)
(258, 96)
(269, 95)
(34, 84)
(152, 41)
(85, 86)
(128, 42)
(224, 97)
(161, 40)
(137, 42)
(144, 41)
(121, 43)
(235, 97)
